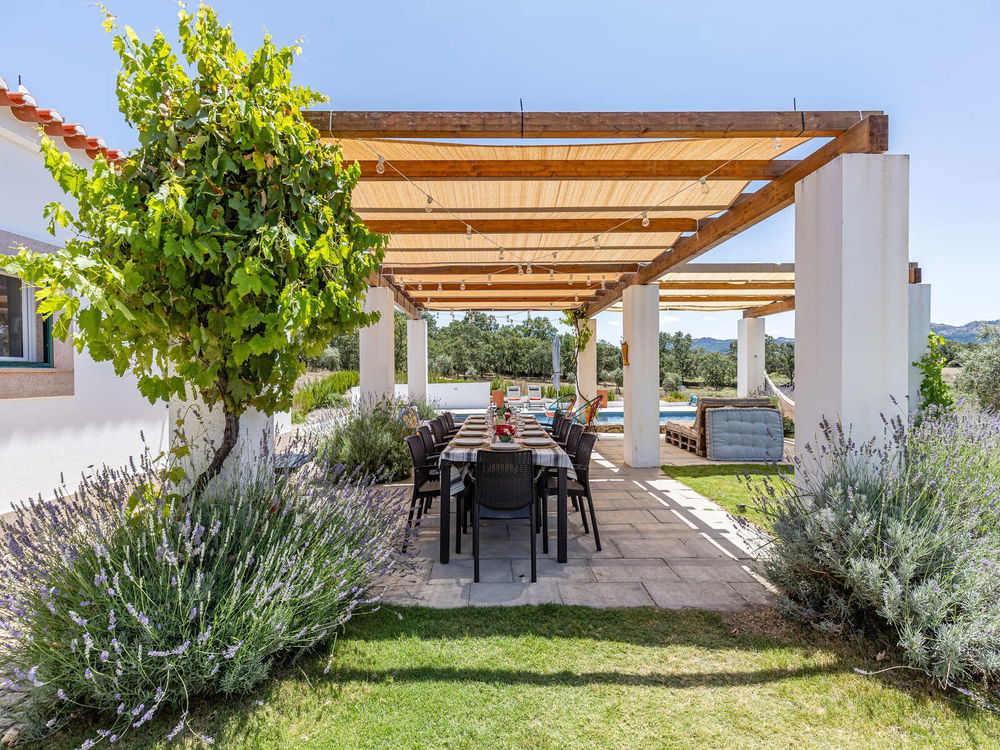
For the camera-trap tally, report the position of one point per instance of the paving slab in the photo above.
(513, 594)
(577, 570)
(632, 570)
(605, 595)
(716, 596)
(461, 571)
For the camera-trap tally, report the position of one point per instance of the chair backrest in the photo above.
(535, 392)
(504, 481)
(564, 430)
(513, 391)
(449, 419)
(420, 473)
(438, 429)
(557, 420)
(573, 438)
(424, 432)
(583, 450)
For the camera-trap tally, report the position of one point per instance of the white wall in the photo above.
(443, 395)
(100, 424)
(641, 306)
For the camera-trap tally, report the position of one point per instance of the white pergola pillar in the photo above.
(642, 375)
(416, 359)
(586, 365)
(377, 348)
(750, 357)
(851, 337)
(920, 326)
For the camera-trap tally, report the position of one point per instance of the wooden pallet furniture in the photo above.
(693, 438)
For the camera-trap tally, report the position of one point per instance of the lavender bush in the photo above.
(129, 600)
(901, 535)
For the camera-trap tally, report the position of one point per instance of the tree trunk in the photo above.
(222, 451)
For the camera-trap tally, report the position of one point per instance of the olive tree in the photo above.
(224, 248)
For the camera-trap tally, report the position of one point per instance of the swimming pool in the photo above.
(613, 416)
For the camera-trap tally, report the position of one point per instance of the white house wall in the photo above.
(44, 438)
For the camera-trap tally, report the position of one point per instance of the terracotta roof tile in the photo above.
(24, 107)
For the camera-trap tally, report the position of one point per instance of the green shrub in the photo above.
(717, 370)
(324, 393)
(328, 360)
(370, 439)
(670, 381)
(898, 537)
(129, 602)
(934, 392)
(565, 389)
(980, 373)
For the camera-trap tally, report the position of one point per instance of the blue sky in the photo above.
(931, 67)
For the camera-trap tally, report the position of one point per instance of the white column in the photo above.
(377, 348)
(416, 359)
(851, 342)
(920, 326)
(750, 357)
(586, 365)
(642, 375)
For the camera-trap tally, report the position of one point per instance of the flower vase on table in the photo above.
(504, 432)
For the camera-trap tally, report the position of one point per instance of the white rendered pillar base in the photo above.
(851, 337)
(919, 328)
(750, 357)
(416, 360)
(642, 375)
(377, 348)
(586, 366)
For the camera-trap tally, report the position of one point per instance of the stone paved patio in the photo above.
(663, 545)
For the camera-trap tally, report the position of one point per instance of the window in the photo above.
(25, 339)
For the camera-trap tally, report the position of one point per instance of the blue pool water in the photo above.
(613, 416)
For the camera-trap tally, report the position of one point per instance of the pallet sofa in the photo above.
(694, 438)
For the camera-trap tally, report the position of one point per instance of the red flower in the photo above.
(504, 429)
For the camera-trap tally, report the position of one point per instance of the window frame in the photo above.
(29, 332)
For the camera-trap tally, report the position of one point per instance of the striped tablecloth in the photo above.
(463, 456)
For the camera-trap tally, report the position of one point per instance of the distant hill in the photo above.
(964, 333)
(721, 345)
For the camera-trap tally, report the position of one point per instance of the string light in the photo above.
(420, 287)
(462, 286)
(604, 284)
(489, 279)
(704, 184)
(430, 203)
(552, 274)
(597, 242)
(520, 270)
(777, 144)
(501, 253)
(576, 299)
(571, 279)
(440, 288)
(468, 231)
(527, 269)
(645, 219)
(380, 167)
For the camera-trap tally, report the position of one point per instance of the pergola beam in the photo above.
(403, 300)
(795, 124)
(624, 211)
(507, 268)
(584, 169)
(778, 306)
(871, 135)
(529, 226)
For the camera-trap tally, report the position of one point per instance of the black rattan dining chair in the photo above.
(573, 439)
(504, 490)
(449, 421)
(426, 484)
(577, 490)
(433, 450)
(557, 420)
(441, 436)
(561, 436)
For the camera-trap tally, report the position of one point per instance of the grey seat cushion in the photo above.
(744, 434)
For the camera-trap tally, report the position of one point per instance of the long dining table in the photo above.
(456, 460)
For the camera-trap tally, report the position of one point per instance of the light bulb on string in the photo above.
(440, 288)
(489, 279)
(576, 299)
(380, 167)
(552, 275)
(420, 287)
(527, 269)
(777, 144)
(645, 219)
(430, 204)
(571, 279)
(501, 253)
(520, 270)
(462, 286)
(704, 185)
(604, 284)
(597, 242)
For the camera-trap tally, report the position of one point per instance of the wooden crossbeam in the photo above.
(545, 252)
(529, 226)
(507, 268)
(871, 135)
(431, 289)
(403, 300)
(779, 306)
(584, 169)
(367, 124)
(623, 211)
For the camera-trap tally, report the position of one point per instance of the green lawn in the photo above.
(555, 677)
(721, 483)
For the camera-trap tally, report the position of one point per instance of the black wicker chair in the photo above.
(426, 484)
(557, 420)
(441, 434)
(433, 451)
(504, 490)
(561, 436)
(573, 439)
(449, 421)
(577, 490)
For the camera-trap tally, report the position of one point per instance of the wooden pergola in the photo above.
(543, 226)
